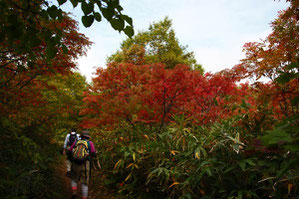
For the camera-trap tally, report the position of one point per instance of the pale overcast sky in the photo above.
(214, 30)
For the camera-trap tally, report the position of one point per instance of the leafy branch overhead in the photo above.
(25, 24)
(109, 9)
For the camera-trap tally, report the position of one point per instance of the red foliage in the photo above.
(152, 94)
(22, 81)
(268, 59)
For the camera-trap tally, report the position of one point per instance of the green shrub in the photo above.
(28, 163)
(185, 161)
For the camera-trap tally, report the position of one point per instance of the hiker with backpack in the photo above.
(83, 151)
(70, 138)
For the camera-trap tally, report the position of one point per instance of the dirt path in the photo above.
(96, 191)
(65, 182)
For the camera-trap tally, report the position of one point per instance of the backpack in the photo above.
(81, 151)
(72, 139)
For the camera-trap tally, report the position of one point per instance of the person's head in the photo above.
(85, 134)
(73, 130)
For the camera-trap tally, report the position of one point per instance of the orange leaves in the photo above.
(23, 79)
(280, 48)
(116, 92)
(173, 184)
(152, 94)
(173, 152)
(270, 59)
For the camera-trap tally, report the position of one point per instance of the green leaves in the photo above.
(35, 41)
(87, 20)
(87, 8)
(129, 31)
(110, 10)
(277, 136)
(243, 164)
(286, 76)
(61, 2)
(97, 16)
(51, 53)
(117, 24)
(64, 49)
(160, 43)
(107, 13)
(113, 3)
(293, 65)
(52, 11)
(128, 19)
(74, 2)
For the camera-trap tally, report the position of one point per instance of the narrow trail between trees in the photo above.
(61, 170)
(96, 191)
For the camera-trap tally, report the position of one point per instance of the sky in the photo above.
(214, 30)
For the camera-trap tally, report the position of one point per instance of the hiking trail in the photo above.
(96, 191)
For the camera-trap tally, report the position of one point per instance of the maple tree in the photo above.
(114, 94)
(276, 58)
(18, 70)
(158, 44)
(152, 94)
(274, 54)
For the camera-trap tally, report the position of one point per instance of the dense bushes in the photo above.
(28, 163)
(185, 161)
(178, 134)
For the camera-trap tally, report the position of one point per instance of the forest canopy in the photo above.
(162, 127)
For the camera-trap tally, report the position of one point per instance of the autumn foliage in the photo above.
(21, 82)
(163, 129)
(274, 61)
(39, 98)
(152, 94)
(171, 132)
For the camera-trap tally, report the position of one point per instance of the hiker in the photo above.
(69, 140)
(82, 153)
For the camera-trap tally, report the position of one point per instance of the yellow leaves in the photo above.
(117, 164)
(200, 152)
(129, 165)
(134, 157)
(173, 152)
(173, 184)
(128, 177)
(146, 136)
(141, 150)
(188, 130)
(134, 116)
(132, 165)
